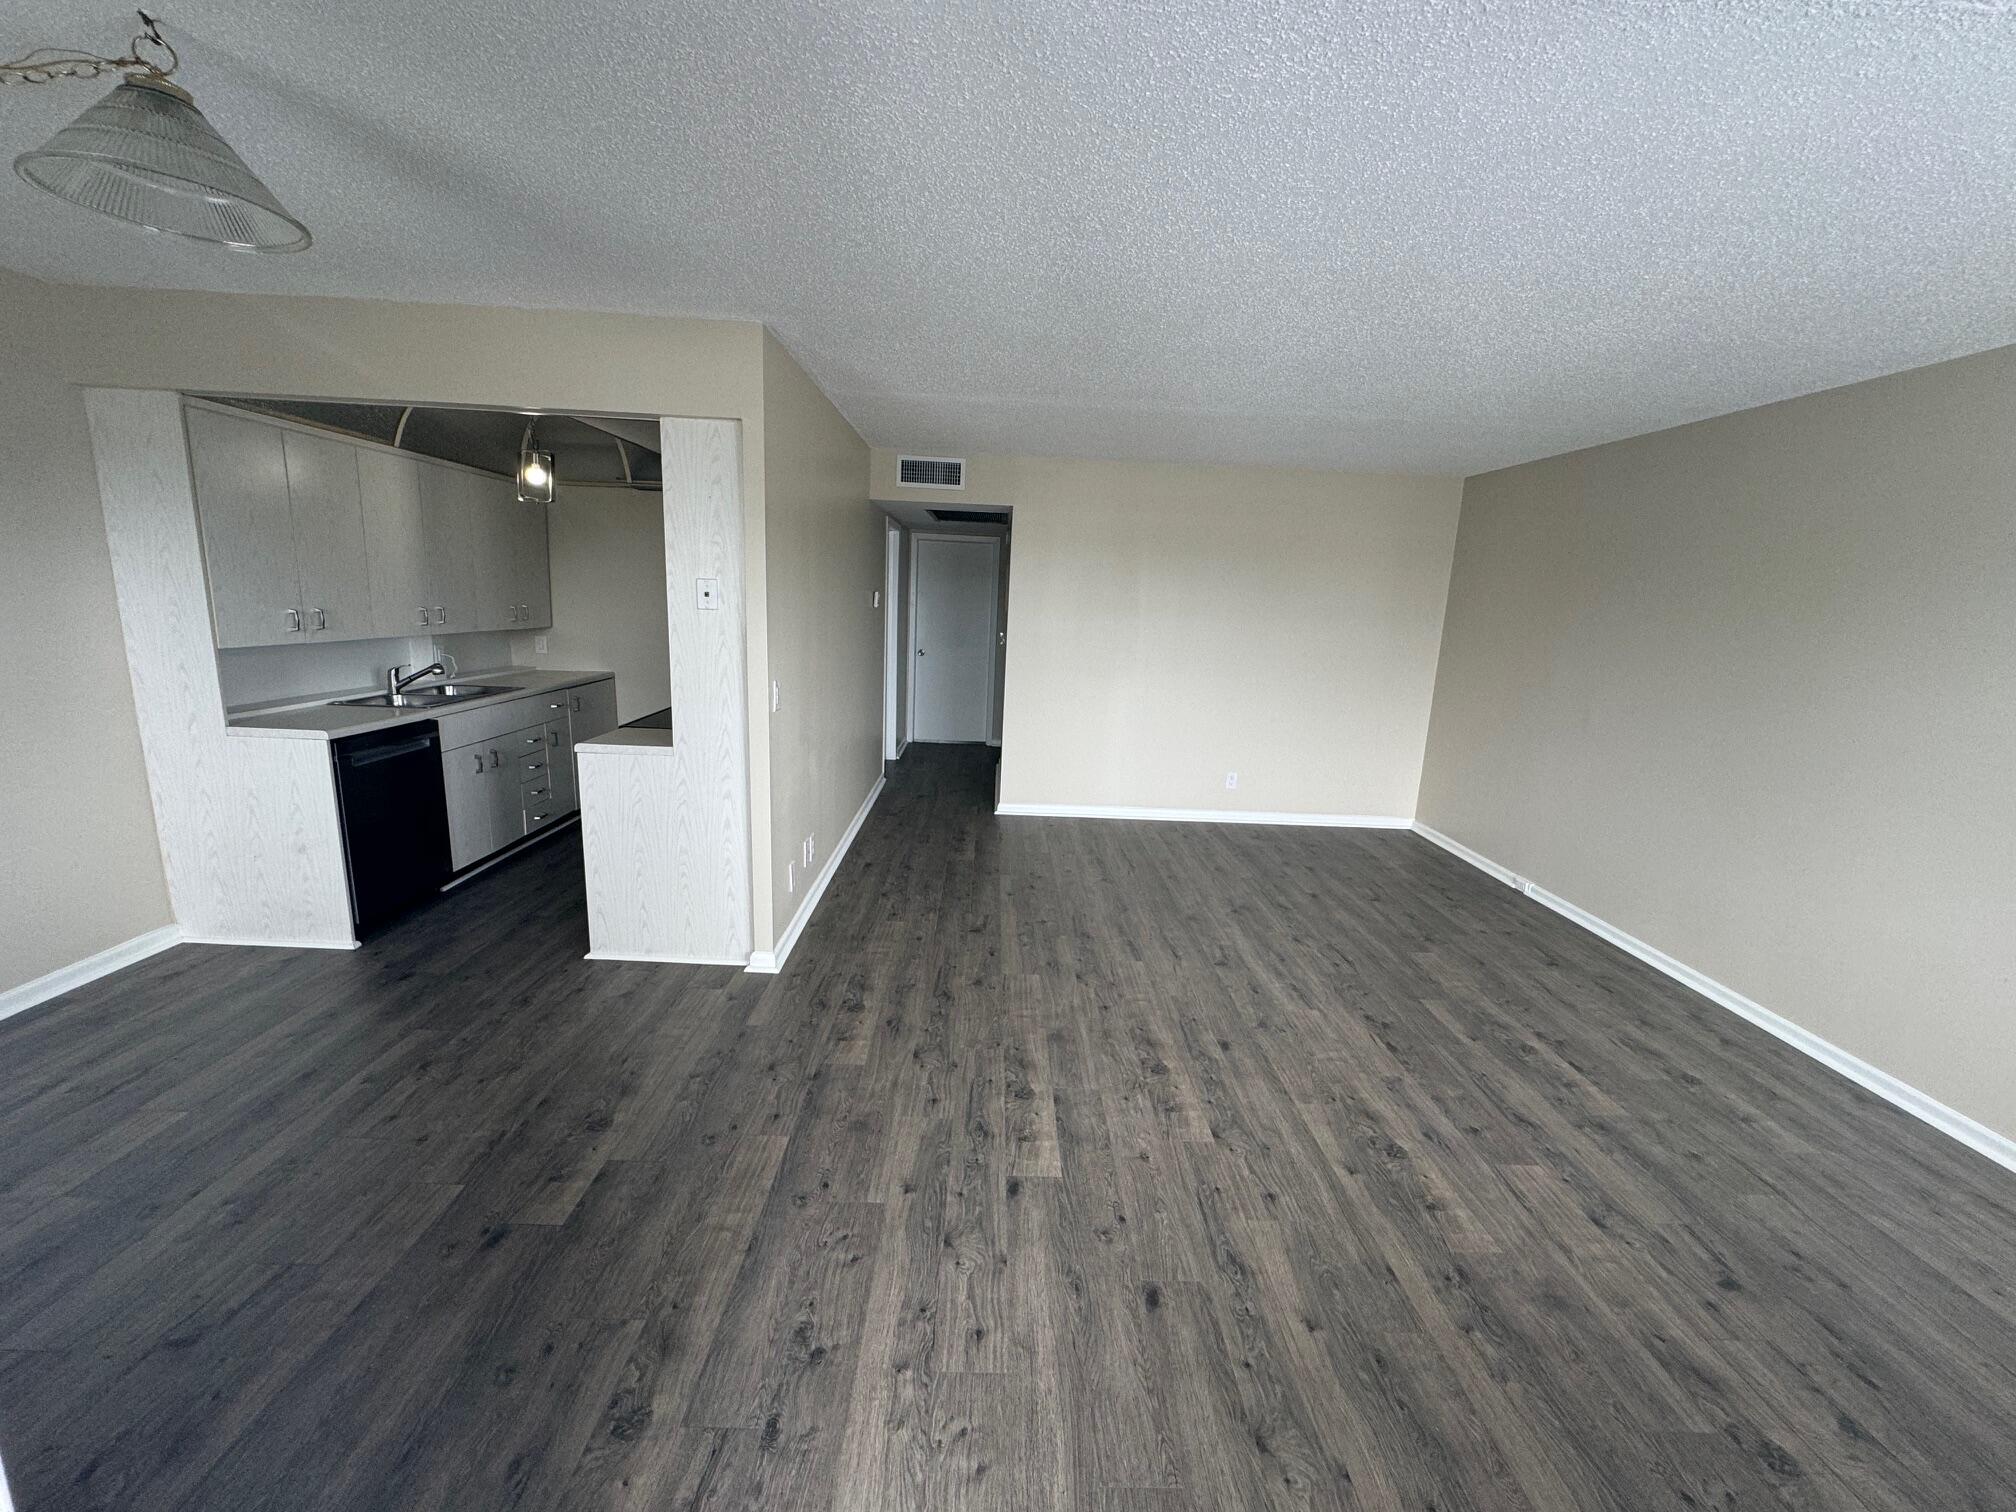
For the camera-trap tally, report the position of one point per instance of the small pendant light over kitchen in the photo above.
(535, 471)
(146, 155)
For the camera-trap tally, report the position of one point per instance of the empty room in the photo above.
(876, 757)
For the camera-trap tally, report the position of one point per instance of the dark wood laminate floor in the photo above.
(1123, 1167)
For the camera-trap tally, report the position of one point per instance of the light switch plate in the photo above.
(539, 644)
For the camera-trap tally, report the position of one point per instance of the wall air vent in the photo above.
(931, 472)
(969, 516)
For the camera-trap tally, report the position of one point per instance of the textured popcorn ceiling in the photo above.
(1422, 237)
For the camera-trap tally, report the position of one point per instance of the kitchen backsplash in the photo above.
(255, 676)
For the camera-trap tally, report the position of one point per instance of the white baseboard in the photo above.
(69, 978)
(1200, 816)
(1977, 1136)
(665, 960)
(770, 962)
(194, 939)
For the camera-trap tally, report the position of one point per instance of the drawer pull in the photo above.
(539, 818)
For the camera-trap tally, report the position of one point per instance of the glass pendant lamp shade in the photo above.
(145, 154)
(535, 477)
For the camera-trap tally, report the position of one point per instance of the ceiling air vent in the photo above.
(969, 516)
(931, 472)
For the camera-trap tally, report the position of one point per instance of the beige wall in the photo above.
(1747, 690)
(606, 547)
(824, 562)
(83, 868)
(1170, 623)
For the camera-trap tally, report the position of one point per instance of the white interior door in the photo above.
(952, 642)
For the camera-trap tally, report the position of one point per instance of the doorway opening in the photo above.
(946, 626)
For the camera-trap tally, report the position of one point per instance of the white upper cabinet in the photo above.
(530, 568)
(310, 537)
(395, 540)
(240, 468)
(328, 537)
(453, 525)
(511, 559)
(496, 554)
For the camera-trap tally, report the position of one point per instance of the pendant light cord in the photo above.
(46, 64)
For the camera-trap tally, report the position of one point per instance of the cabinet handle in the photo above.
(577, 703)
(535, 740)
(424, 619)
(321, 620)
(538, 818)
(556, 706)
(440, 615)
(537, 793)
(525, 613)
(494, 762)
(553, 739)
(479, 762)
(293, 619)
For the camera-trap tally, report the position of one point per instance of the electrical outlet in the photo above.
(1231, 780)
(539, 644)
(707, 592)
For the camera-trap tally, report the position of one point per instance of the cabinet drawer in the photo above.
(541, 812)
(521, 746)
(534, 768)
(554, 784)
(492, 722)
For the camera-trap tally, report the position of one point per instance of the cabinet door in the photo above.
(497, 550)
(472, 785)
(448, 524)
(535, 581)
(328, 537)
(560, 768)
(395, 544)
(507, 796)
(240, 469)
(592, 710)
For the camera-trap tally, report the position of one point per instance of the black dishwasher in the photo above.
(395, 819)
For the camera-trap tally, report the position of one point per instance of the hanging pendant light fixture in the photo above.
(535, 471)
(144, 154)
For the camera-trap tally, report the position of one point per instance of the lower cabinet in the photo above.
(504, 784)
(485, 812)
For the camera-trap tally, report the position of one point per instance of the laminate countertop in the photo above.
(321, 719)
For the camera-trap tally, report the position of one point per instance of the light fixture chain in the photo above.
(45, 65)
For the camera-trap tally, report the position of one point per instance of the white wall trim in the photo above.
(1977, 1136)
(770, 962)
(251, 944)
(1201, 816)
(665, 960)
(78, 973)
